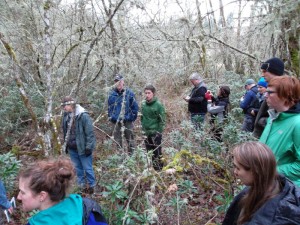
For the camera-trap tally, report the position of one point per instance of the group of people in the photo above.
(123, 109)
(122, 112)
(270, 167)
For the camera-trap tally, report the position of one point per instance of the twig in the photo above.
(208, 222)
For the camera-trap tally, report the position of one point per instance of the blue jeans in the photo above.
(84, 168)
(197, 119)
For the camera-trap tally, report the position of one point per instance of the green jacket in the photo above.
(85, 137)
(67, 212)
(153, 117)
(282, 135)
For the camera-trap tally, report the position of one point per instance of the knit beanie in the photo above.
(274, 66)
(262, 82)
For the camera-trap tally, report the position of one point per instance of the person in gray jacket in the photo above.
(80, 142)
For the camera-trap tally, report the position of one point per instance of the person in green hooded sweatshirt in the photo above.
(282, 132)
(43, 186)
(153, 123)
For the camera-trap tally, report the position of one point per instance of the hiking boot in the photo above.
(90, 190)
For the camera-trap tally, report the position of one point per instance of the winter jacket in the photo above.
(282, 135)
(261, 119)
(283, 209)
(67, 212)
(4, 203)
(261, 98)
(197, 102)
(247, 104)
(222, 103)
(153, 117)
(85, 138)
(116, 100)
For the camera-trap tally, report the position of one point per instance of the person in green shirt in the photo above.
(282, 132)
(43, 186)
(153, 123)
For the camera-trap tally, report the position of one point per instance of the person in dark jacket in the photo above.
(218, 110)
(80, 142)
(262, 85)
(269, 198)
(197, 103)
(122, 112)
(271, 68)
(153, 123)
(249, 102)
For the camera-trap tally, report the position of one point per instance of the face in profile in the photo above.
(273, 100)
(267, 75)
(30, 200)
(241, 173)
(68, 108)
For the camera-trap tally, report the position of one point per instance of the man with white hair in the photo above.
(197, 103)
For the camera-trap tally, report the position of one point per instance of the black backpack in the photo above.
(255, 102)
(92, 213)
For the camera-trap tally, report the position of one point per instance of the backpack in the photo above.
(92, 213)
(255, 102)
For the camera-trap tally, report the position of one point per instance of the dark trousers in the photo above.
(127, 133)
(153, 143)
(248, 123)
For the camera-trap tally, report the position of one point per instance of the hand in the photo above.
(88, 152)
(187, 98)
(10, 210)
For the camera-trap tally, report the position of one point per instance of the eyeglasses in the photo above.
(270, 92)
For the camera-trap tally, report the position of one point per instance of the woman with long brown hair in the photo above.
(268, 198)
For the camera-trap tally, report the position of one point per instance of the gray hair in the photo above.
(195, 76)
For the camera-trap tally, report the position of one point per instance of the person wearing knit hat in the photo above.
(262, 87)
(197, 103)
(262, 82)
(271, 68)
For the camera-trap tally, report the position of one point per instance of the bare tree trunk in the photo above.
(47, 67)
(238, 61)
(22, 91)
(202, 48)
(81, 77)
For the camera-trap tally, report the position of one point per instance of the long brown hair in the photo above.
(257, 158)
(53, 176)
